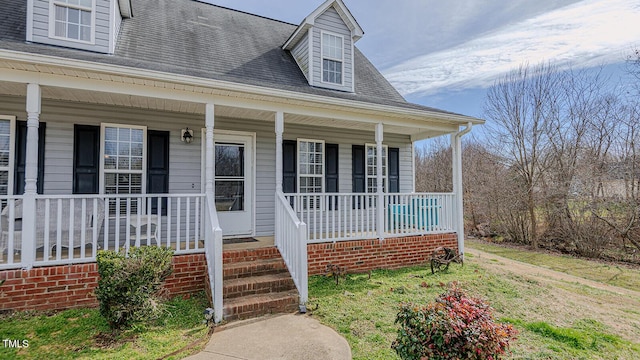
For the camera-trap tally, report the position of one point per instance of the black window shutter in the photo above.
(289, 166)
(21, 157)
(158, 167)
(394, 170)
(86, 150)
(358, 162)
(331, 168)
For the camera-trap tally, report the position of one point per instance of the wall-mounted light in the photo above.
(186, 135)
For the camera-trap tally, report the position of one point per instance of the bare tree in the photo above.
(517, 107)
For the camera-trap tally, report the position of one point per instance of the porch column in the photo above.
(456, 165)
(209, 173)
(31, 177)
(379, 180)
(279, 131)
(210, 191)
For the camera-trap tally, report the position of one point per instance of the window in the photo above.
(372, 167)
(123, 154)
(332, 58)
(310, 166)
(72, 19)
(7, 129)
(230, 176)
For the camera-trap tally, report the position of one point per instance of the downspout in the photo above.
(457, 184)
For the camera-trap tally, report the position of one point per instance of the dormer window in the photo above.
(332, 58)
(72, 19)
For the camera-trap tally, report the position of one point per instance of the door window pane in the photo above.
(229, 160)
(229, 195)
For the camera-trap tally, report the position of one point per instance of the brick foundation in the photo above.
(72, 286)
(364, 255)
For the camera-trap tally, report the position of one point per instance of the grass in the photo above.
(607, 273)
(84, 334)
(363, 310)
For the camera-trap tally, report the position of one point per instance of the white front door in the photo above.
(234, 183)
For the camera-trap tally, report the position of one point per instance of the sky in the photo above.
(446, 54)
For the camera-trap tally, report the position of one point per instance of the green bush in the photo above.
(453, 327)
(128, 286)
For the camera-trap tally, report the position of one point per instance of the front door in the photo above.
(234, 183)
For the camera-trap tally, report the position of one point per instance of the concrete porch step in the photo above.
(236, 270)
(263, 284)
(260, 304)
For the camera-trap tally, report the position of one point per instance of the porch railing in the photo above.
(353, 216)
(71, 228)
(291, 240)
(213, 254)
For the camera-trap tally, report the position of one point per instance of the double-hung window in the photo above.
(372, 168)
(332, 58)
(7, 129)
(72, 19)
(310, 166)
(123, 149)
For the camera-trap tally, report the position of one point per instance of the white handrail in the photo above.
(291, 240)
(213, 254)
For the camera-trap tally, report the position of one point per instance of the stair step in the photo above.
(259, 267)
(245, 255)
(260, 304)
(264, 284)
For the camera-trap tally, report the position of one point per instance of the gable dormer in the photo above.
(91, 25)
(322, 45)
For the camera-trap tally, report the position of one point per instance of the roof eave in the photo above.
(277, 94)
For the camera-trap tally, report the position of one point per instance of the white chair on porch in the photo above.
(64, 230)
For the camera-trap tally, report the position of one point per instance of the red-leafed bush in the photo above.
(453, 327)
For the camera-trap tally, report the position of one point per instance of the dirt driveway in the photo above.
(565, 298)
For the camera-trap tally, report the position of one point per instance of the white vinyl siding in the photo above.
(43, 26)
(330, 22)
(184, 159)
(372, 168)
(301, 54)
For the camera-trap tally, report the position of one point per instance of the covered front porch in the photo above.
(55, 225)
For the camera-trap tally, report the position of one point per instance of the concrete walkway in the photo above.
(295, 337)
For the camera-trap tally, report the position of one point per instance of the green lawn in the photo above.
(83, 333)
(363, 311)
(617, 275)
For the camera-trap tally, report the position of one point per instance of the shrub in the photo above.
(453, 327)
(128, 288)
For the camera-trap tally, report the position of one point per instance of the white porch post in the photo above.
(279, 132)
(379, 180)
(456, 165)
(210, 192)
(31, 177)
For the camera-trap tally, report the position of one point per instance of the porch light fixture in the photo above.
(186, 135)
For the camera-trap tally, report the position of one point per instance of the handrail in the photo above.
(291, 240)
(213, 254)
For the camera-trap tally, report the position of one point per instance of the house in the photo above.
(184, 124)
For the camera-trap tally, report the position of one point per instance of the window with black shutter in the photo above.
(21, 157)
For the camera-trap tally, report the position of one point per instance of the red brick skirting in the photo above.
(364, 255)
(72, 286)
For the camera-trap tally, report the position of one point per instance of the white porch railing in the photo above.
(71, 228)
(291, 240)
(213, 254)
(353, 216)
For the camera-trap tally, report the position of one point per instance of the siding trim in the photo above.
(29, 20)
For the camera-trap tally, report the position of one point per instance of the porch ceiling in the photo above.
(418, 131)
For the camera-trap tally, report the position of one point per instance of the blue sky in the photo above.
(446, 54)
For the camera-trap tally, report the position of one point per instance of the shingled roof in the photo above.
(198, 39)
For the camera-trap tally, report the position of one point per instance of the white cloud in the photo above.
(587, 33)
